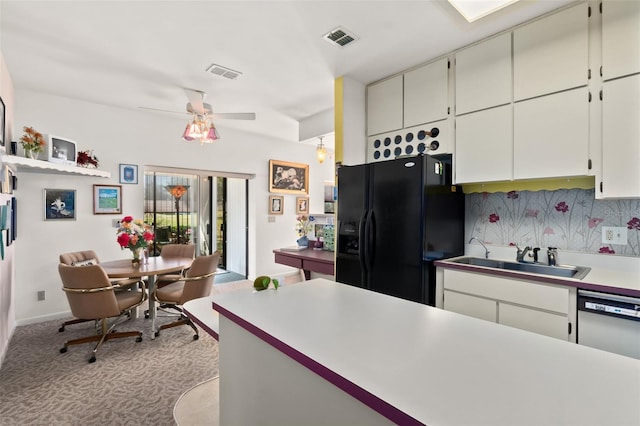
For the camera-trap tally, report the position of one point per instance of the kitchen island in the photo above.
(324, 352)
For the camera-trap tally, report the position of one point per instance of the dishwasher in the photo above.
(609, 322)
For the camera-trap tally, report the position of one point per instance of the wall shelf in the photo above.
(37, 166)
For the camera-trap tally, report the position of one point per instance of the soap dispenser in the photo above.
(552, 256)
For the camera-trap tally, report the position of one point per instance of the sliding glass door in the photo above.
(205, 210)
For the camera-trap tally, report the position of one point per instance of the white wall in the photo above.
(136, 137)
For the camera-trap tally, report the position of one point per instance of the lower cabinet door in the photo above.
(472, 306)
(549, 324)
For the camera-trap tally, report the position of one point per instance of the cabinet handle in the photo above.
(569, 328)
(589, 96)
(601, 95)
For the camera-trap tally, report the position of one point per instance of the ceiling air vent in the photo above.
(339, 36)
(223, 71)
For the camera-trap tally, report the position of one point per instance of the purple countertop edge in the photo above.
(581, 285)
(204, 326)
(382, 407)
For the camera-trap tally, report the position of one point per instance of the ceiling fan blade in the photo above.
(235, 115)
(164, 110)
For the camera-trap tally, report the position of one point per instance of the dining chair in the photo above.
(92, 296)
(197, 282)
(86, 258)
(172, 251)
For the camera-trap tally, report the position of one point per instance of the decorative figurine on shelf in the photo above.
(33, 142)
(87, 159)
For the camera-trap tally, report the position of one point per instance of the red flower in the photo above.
(607, 250)
(493, 218)
(594, 221)
(634, 223)
(123, 240)
(562, 207)
(148, 236)
(127, 219)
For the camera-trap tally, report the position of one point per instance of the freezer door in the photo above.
(395, 228)
(352, 214)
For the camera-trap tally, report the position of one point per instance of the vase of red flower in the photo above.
(134, 235)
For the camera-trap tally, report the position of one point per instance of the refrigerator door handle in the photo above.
(370, 240)
(361, 239)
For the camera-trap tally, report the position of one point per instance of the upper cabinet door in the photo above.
(551, 136)
(384, 106)
(551, 54)
(426, 93)
(483, 75)
(621, 138)
(620, 38)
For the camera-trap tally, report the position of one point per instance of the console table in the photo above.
(320, 261)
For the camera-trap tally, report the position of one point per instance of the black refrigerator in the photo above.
(395, 218)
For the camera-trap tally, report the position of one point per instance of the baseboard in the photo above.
(43, 318)
(6, 344)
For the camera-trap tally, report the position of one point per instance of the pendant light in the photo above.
(321, 151)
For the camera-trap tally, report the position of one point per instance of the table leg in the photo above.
(151, 282)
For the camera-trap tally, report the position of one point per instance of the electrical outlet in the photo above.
(614, 235)
(115, 223)
(41, 295)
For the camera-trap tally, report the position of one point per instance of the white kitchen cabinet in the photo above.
(484, 145)
(534, 320)
(426, 93)
(620, 38)
(483, 75)
(473, 306)
(384, 106)
(551, 135)
(521, 303)
(621, 138)
(551, 54)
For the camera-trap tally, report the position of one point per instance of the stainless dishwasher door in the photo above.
(609, 322)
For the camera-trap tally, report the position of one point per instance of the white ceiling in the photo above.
(132, 54)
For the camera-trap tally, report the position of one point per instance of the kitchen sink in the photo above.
(564, 271)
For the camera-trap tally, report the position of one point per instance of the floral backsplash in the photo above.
(570, 219)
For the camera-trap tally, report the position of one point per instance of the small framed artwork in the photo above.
(2, 122)
(276, 204)
(290, 178)
(107, 199)
(128, 173)
(302, 205)
(59, 204)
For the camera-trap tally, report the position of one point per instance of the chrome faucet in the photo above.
(486, 250)
(522, 253)
(552, 256)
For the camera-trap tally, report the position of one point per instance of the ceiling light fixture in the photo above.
(473, 10)
(202, 129)
(321, 151)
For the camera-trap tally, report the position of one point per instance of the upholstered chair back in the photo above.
(178, 250)
(89, 305)
(76, 258)
(201, 265)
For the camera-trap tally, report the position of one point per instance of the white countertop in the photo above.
(440, 367)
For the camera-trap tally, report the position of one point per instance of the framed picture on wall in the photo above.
(290, 178)
(276, 204)
(59, 204)
(107, 199)
(302, 205)
(129, 173)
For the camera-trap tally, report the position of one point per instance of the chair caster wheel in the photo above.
(61, 329)
(196, 337)
(92, 359)
(63, 350)
(157, 333)
(146, 315)
(139, 339)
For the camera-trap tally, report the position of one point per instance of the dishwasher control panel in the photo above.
(610, 305)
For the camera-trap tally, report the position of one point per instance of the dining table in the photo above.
(150, 268)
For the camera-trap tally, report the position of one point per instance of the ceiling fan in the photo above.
(200, 126)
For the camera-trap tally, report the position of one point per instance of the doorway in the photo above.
(196, 207)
